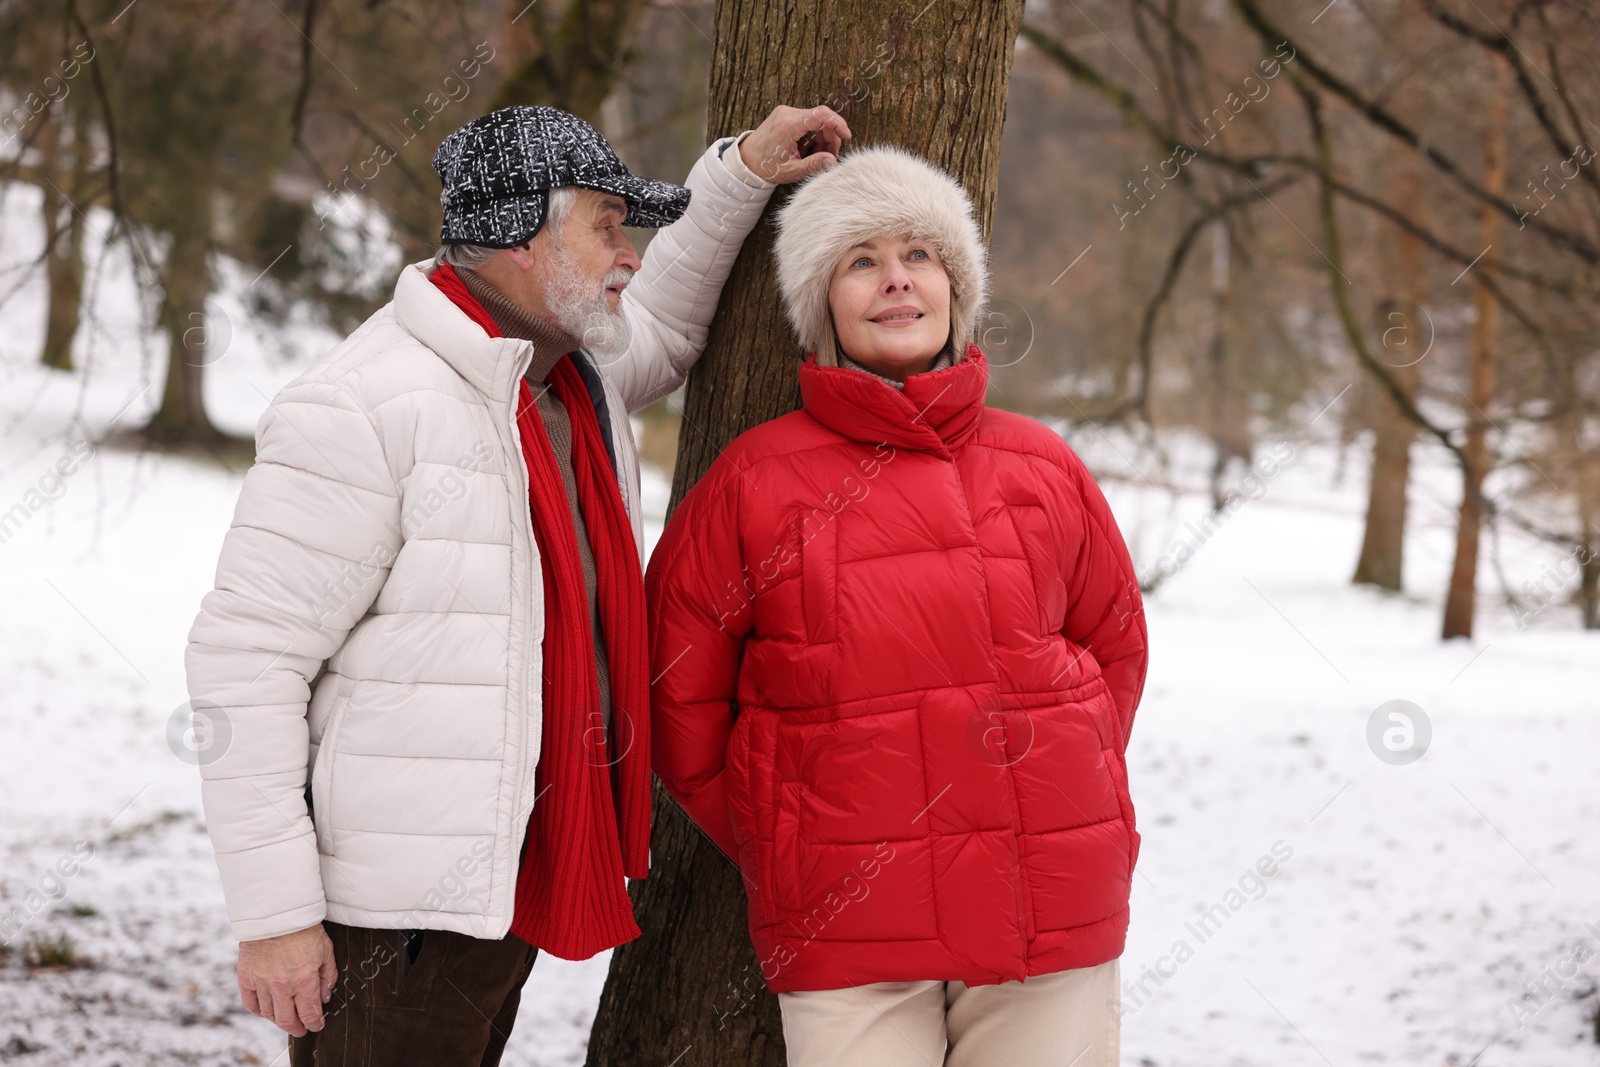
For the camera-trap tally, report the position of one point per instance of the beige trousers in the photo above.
(1067, 1019)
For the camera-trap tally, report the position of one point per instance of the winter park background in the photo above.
(1302, 897)
(1415, 901)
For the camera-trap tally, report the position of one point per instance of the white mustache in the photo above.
(616, 276)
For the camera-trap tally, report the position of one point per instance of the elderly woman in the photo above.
(898, 645)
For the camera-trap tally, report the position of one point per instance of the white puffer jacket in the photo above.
(377, 616)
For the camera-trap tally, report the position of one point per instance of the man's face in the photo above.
(573, 275)
(592, 239)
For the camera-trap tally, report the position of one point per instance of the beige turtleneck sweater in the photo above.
(940, 362)
(549, 345)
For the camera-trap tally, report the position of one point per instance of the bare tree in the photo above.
(1462, 600)
(1368, 91)
(1403, 337)
(932, 78)
(571, 60)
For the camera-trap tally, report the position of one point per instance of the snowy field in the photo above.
(1299, 900)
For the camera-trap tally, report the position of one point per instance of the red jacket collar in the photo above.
(937, 412)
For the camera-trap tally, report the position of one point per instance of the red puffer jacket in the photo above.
(898, 644)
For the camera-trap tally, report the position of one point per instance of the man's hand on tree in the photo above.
(287, 979)
(794, 143)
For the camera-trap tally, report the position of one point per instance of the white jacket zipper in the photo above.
(526, 508)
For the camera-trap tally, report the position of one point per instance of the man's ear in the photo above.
(522, 255)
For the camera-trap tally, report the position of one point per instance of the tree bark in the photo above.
(1382, 559)
(931, 78)
(570, 62)
(1229, 416)
(1583, 474)
(191, 337)
(1589, 588)
(63, 232)
(1462, 599)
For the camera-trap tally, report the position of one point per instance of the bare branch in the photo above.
(1386, 121)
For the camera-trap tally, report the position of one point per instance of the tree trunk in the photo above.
(1580, 468)
(1229, 415)
(63, 233)
(1459, 606)
(191, 337)
(570, 62)
(1588, 550)
(1589, 585)
(929, 77)
(1382, 558)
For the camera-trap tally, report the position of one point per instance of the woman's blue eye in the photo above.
(919, 252)
(863, 261)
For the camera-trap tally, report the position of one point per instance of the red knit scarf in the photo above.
(591, 820)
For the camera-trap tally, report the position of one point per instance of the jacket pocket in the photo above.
(784, 871)
(1034, 537)
(322, 772)
(736, 781)
(818, 530)
(1119, 781)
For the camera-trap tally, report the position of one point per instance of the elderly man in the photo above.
(430, 606)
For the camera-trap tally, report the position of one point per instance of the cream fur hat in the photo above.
(869, 193)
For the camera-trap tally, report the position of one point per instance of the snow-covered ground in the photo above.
(1406, 906)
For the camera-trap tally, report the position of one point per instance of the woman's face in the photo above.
(890, 299)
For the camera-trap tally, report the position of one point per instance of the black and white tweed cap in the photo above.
(498, 170)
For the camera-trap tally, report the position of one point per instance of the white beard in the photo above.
(579, 307)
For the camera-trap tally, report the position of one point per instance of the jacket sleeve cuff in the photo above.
(728, 152)
(287, 922)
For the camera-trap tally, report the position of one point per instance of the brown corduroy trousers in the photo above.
(417, 997)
